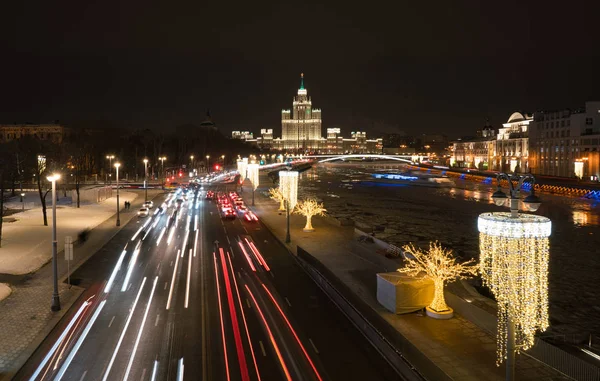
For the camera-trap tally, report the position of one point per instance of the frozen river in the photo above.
(420, 214)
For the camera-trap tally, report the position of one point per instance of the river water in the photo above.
(419, 214)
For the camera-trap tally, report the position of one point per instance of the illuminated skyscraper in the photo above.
(301, 126)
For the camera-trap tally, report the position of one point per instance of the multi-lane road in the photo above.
(186, 295)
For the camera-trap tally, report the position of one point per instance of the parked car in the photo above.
(148, 204)
(143, 212)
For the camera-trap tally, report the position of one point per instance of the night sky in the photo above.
(413, 66)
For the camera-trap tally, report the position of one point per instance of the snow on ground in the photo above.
(27, 243)
(5, 291)
(404, 214)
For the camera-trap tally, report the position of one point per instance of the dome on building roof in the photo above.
(516, 117)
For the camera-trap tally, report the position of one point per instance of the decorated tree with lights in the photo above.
(309, 208)
(275, 194)
(439, 265)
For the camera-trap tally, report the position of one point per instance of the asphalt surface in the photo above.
(197, 297)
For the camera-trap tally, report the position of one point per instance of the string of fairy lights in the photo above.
(288, 184)
(514, 265)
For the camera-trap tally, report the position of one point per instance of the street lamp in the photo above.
(55, 297)
(192, 162)
(162, 169)
(110, 157)
(288, 184)
(223, 158)
(514, 265)
(117, 165)
(22, 201)
(207, 164)
(146, 179)
(253, 175)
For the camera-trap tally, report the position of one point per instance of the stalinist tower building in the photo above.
(301, 127)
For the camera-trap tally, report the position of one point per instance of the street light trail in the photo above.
(82, 337)
(132, 261)
(257, 254)
(162, 232)
(154, 371)
(137, 340)
(187, 222)
(234, 320)
(196, 222)
(185, 239)
(147, 231)
(115, 271)
(195, 243)
(247, 256)
(293, 332)
(189, 275)
(173, 280)
(237, 291)
(170, 235)
(180, 370)
(112, 359)
(221, 316)
(277, 351)
(59, 341)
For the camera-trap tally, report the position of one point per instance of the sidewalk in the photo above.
(27, 243)
(25, 316)
(458, 347)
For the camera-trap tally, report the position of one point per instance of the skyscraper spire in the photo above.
(301, 81)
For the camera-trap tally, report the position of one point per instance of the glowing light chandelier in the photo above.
(242, 165)
(253, 175)
(514, 253)
(288, 183)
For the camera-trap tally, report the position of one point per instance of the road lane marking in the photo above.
(139, 336)
(248, 303)
(225, 230)
(313, 345)
(288, 301)
(111, 321)
(83, 375)
(156, 322)
(129, 287)
(228, 240)
(166, 283)
(262, 347)
(246, 230)
(143, 374)
(271, 272)
(112, 360)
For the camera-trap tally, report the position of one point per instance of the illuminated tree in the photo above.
(439, 265)
(309, 208)
(275, 194)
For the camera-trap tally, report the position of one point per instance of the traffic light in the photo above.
(217, 167)
(180, 174)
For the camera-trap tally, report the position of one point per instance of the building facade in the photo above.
(566, 143)
(301, 126)
(242, 135)
(53, 132)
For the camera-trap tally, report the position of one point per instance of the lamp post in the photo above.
(253, 175)
(110, 157)
(162, 170)
(514, 265)
(288, 183)
(223, 159)
(207, 164)
(55, 297)
(22, 201)
(192, 163)
(117, 165)
(145, 179)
